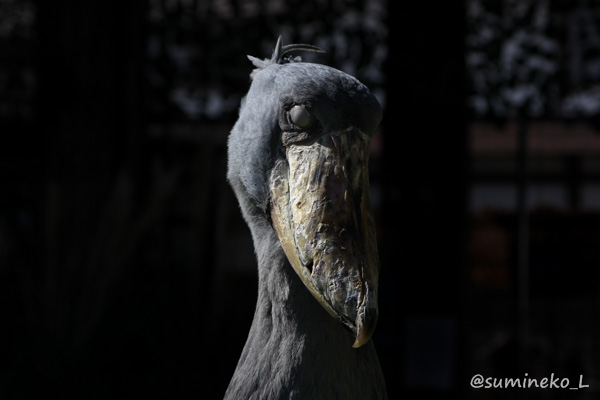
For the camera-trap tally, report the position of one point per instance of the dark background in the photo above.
(126, 270)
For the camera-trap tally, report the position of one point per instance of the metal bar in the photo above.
(522, 247)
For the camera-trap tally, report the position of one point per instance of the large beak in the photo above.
(321, 210)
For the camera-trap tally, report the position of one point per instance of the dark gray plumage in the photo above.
(295, 348)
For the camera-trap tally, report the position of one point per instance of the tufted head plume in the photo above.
(281, 55)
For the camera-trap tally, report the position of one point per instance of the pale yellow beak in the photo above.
(321, 210)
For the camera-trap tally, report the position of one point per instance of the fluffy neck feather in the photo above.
(295, 350)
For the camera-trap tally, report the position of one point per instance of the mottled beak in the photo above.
(321, 210)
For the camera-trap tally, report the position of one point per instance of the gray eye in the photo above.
(301, 117)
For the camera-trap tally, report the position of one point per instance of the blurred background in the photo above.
(126, 270)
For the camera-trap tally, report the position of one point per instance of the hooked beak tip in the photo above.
(365, 326)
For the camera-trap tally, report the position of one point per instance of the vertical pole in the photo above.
(522, 247)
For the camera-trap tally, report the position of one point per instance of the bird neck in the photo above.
(295, 348)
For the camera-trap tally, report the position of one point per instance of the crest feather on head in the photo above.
(280, 55)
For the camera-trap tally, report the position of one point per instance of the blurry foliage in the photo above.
(17, 19)
(528, 58)
(197, 67)
(17, 78)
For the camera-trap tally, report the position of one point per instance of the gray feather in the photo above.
(295, 349)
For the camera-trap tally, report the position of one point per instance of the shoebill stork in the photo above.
(298, 165)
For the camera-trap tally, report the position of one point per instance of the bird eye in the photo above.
(301, 117)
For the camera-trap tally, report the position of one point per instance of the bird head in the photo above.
(298, 159)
